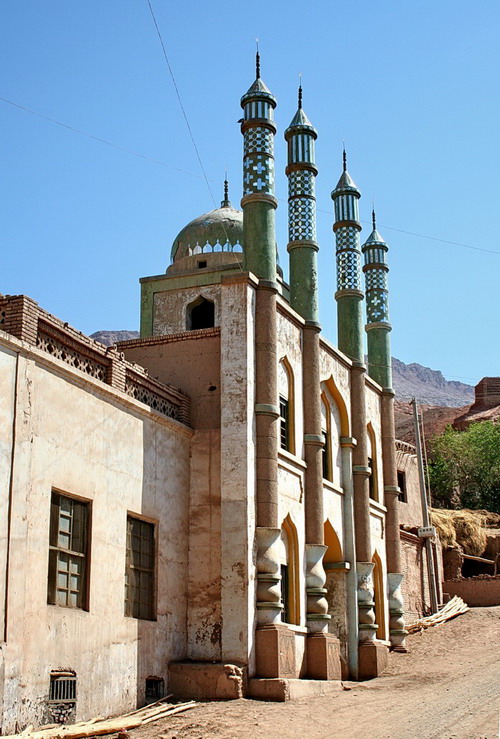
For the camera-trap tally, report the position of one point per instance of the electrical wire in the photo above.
(204, 175)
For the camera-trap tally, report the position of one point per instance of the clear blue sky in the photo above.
(412, 87)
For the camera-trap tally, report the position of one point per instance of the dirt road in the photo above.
(446, 687)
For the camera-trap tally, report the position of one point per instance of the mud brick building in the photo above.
(210, 539)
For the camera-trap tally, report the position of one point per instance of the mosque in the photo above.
(211, 509)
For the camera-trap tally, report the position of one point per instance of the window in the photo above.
(371, 479)
(402, 486)
(62, 687)
(140, 569)
(326, 425)
(155, 689)
(286, 398)
(68, 561)
(285, 595)
(200, 314)
(284, 423)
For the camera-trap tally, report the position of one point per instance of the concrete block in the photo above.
(372, 659)
(203, 681)
(280, 689)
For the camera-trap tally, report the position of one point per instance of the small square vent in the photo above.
(62, 687)
(155, 689)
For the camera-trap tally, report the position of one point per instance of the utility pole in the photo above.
(427, 532)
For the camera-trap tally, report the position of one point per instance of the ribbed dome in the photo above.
(219, 230)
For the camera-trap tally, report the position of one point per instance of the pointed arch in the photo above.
(330, 385)
(286, 384)
(290, 586)
(332, 541)
(200, 313)
(378, 586)
(372, 462)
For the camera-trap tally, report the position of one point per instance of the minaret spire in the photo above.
(349, 293)
(302, 245)
(300, 92)
(374, 220)
(377, 307)
(258, 202)
(257, 61)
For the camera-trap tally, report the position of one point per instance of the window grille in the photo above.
(140, 569)
(67, 580)
(62, 688)
(284, 423)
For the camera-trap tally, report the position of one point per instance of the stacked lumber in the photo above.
(453, 608)
(100, 726)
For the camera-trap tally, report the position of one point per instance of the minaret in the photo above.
(377, 308)
(349, 293)
(302, 245)
(258, 205)
(379, 367)
(258, 202)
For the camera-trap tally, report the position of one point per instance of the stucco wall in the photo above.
(77, 436)
(410, 512)
(169, 307)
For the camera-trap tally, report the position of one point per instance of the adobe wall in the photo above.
(475, 591)
(410, 511)
(81, 437)
(415, 586)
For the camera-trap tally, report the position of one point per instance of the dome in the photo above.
(220, 230)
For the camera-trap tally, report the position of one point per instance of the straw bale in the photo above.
(464, 529)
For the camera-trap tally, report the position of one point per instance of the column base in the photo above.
(323, 657)
(275, 651)
(372, 659)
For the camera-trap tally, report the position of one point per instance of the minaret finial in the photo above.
(373, 215)
(226, 203)
(300, 91)
(257, 61)
(344, 157)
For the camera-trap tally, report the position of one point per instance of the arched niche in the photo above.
(289, 565)
(200, 314)
(330, 385)
(334, 551)
(378, 586)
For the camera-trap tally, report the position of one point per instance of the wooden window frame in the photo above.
(73, 554)
(132, 607)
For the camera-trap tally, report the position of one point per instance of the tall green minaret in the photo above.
(377, 308)
(349, 294)
(302, 245)
(258, 202)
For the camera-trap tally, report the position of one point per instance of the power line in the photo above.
(180, 101)
(204, 176)
(96, 138)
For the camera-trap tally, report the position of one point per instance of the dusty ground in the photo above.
(447, 687)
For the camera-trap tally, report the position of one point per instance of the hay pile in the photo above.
(464, 530)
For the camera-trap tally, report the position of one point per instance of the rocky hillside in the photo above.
(428, 386)
(410, 380)
(108, 338)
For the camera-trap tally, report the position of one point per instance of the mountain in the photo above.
(108, 338)
(410, 380)
(428, 386)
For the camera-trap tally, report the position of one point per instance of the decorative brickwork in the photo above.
(21, 316)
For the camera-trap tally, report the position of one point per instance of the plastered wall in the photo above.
(82, 439)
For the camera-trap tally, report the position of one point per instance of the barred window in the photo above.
(284, 424)
(140, 569)
(68, 547)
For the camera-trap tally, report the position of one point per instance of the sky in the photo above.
(411, 87)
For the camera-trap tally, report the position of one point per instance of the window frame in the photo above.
(403, 495)
(128, 605)
(54, 549)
